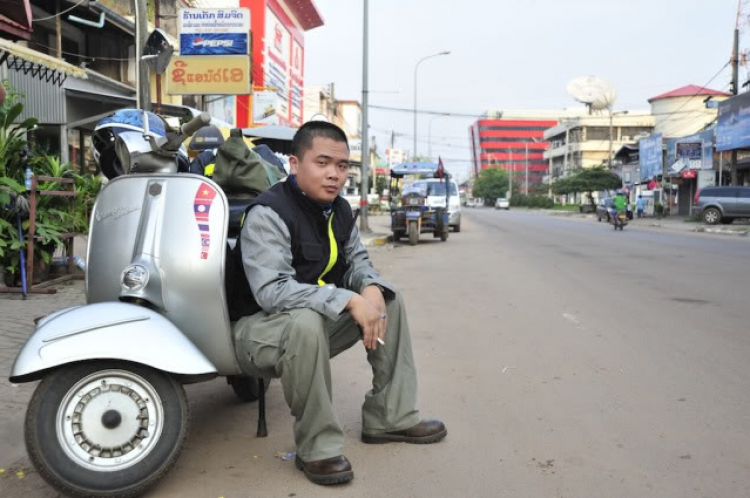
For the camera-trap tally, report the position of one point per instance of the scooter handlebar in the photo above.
(195, 124)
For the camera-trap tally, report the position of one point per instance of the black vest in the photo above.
(311, 247)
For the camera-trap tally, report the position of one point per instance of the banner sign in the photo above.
(265, 108)
(214, 31)
(278, 49)
(650, 156)
(696, 151)
(706, 179)
(209, 75)
(733, 127)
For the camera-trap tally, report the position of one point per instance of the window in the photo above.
(721, 192)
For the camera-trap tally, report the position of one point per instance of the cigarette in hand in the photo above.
(382, 343)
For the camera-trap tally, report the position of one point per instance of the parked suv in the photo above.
(722, 204)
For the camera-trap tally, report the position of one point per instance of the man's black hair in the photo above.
(302, 141)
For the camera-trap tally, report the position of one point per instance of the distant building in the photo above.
(584, 142)
(514, 140)
(395, 156)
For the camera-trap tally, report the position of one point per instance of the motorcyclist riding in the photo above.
(619, 205)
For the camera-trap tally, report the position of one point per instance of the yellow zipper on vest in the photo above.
(334, 252)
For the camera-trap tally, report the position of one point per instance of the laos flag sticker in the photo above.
(204, 197)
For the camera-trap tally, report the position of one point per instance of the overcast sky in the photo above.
(511, 54)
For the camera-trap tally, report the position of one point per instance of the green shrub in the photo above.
(532, 201)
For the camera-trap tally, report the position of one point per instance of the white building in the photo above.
(682, 112)
(584, 142)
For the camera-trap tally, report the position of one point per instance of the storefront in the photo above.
(690, 166)
(278, 52)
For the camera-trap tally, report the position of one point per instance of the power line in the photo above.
(59, 13)
(434, 113)
(81, 56)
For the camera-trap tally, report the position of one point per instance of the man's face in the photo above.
(323, 169)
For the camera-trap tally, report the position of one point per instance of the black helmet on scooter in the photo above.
(127, 121)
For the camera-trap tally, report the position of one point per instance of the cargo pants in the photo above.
(297, 345)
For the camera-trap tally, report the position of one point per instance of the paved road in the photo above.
(567, 360)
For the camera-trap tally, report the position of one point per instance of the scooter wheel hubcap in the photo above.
(110, 420)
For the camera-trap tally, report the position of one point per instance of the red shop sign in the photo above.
(689, 174)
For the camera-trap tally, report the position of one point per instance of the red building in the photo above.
(513, 142)
(278, 52)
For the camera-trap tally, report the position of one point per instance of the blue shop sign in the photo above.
(733, 127)
(650, 156)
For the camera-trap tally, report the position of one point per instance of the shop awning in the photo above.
(40, 65)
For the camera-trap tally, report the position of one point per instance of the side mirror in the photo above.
(158, 51)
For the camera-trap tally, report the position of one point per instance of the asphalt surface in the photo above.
(567, 360)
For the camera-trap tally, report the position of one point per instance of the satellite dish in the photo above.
(593, 91)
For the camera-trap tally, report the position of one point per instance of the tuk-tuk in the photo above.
(410, 212)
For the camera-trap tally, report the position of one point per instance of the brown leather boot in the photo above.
(336, 470)
(425, 432)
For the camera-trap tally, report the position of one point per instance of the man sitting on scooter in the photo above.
(313, 293)
(619, 204)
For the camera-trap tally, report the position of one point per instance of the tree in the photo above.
(588, 181)
(381, 183)
(491, 184)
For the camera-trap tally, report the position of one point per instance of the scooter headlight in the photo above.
(134, 278)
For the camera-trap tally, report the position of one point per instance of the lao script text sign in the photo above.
(209, 75)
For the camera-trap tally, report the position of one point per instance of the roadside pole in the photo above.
(735, 91)
(142, 73)
(363, 226)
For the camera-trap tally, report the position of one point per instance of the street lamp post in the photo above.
(429, 135)
(445, 52)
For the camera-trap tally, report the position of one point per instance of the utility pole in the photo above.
(363, 226)
(735, 91)
(610, 137)
(143, 84)
(527, 169)
(58, 29)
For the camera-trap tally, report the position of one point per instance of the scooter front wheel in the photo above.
(109, 429)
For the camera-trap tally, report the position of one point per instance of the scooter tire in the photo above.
(246, 387)
(157, 398)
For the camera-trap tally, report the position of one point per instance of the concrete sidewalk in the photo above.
(380, 230)
(740, 227)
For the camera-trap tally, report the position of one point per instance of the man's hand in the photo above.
(368, 317)
(374, 296)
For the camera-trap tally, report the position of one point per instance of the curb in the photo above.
(378, 241)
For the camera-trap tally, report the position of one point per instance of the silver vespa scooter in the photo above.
(110, 415)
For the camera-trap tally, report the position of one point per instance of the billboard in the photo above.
(650, 156)
(265, 108)
(733, 127)
(214, 31)
(209, 75)
(695, 151)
